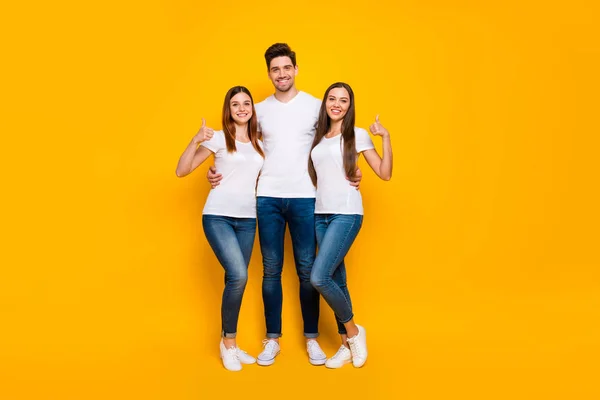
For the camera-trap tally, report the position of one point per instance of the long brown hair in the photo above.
(348, 139)
(229, 124)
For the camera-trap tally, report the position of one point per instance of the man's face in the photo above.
(282, 73)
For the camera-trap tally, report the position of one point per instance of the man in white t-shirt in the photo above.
(286, 196)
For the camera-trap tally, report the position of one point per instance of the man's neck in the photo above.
(285, 97)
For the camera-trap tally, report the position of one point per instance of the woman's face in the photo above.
(337, 103)
(240, 107)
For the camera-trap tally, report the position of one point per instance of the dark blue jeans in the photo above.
(273, 214)
(335, 235)
(231, 239)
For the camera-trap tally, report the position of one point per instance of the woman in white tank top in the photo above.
(229, 215)
(338, 208)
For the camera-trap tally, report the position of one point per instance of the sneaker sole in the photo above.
(339, 366)
(317, 362)
(265, 363)
(360, 365)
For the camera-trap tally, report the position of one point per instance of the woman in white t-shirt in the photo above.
(338, 209)
(229, 215)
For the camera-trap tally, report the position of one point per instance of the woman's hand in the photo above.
(203, 134)
(377, 129)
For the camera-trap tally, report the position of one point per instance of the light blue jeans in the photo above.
(335, 234)
(231, 240)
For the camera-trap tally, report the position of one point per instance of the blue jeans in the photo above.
(335, 235)
(231, 240)
(273, 214)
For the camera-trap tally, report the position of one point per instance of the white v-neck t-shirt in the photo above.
(288, 131)
(236, 194)
(334, 194)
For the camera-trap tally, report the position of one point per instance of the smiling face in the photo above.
(282, 73)
(240, 107)
(337, 103)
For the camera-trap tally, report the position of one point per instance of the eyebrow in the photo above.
(284, 66)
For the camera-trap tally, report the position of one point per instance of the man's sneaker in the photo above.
(341, 358)
(244, 357)
(230, 358)
(270, 351)
(315, 354)
(358, 347)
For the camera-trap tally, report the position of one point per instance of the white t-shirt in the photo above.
(288, 131)
(235, 196)
(334, 194)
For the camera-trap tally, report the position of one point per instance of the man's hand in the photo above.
(356, 180)
(213, 177)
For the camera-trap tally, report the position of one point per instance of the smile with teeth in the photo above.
(242, 115)
(334, 111)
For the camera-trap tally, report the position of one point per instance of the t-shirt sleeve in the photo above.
(363, 140)
(216, 143)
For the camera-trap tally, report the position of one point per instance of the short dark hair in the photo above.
(279, 50)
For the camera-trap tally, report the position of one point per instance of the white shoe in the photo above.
(244, 357)
(316, 356)
(358, 347)
(230, 358)
(341, 358)
(270, 351)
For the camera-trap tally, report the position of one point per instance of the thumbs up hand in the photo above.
(377, 129)
(205, 133)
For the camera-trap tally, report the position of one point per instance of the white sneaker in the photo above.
(244, 357)
(316, 356)
(270, 351)
(341, 358)
(358, 347)
(230, 358)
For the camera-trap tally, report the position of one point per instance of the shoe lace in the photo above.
(269, 345)
(314, 348)
(240, 350)
(354, 348)
(232, 352)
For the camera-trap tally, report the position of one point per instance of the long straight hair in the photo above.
(348, 139)
(229, 124)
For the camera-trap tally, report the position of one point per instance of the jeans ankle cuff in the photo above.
(311, 335)
(273, 335)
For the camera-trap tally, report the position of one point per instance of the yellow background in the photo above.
(476, 272)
